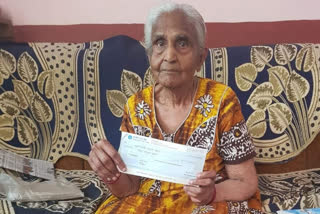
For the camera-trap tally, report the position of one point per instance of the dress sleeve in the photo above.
(235, 144)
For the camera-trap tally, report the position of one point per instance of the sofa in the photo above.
(58, 99)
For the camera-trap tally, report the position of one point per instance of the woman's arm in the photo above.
(104, 160)
(242, 178)
(241, 185)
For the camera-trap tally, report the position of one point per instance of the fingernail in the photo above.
(118, 174)
(114, 178)
(124, 169)
(108, 179)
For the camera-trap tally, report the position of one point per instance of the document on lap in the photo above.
(161, 160)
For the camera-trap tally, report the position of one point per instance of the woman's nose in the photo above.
(170, 54)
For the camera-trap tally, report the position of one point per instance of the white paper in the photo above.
(161, 160)
(16, 189)
(35, 167)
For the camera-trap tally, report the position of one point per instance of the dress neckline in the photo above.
(170, 135)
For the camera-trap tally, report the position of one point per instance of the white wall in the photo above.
(64, 12)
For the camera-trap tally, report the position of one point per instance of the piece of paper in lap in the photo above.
(34, 167)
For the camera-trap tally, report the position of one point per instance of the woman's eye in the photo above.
(160, 43)
(182, 43)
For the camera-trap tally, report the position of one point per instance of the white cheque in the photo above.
(161, 160)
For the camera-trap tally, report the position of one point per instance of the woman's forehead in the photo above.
(173, 22)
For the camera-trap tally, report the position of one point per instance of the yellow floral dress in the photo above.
(215, 122)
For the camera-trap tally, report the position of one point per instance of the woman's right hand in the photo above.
(104, 159)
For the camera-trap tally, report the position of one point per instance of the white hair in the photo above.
(193, 16)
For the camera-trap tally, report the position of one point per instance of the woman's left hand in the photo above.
(202, 190)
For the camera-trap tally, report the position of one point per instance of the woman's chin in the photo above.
(170, 83)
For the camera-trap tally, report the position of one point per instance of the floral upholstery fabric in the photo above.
(58, 99)
(295, 190)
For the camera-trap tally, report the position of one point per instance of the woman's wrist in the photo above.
(213, 197)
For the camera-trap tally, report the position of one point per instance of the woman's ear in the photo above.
(203, 56)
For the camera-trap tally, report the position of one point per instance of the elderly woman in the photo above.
(182, 108)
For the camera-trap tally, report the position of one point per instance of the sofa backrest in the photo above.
(58, 99)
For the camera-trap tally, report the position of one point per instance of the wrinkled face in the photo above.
(175, 54)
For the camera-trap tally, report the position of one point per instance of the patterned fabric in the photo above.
(215, 114)
(295, 190)
(280, 86)
(57, 99)
(236, 143)
(53, 96)
(94, 193)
